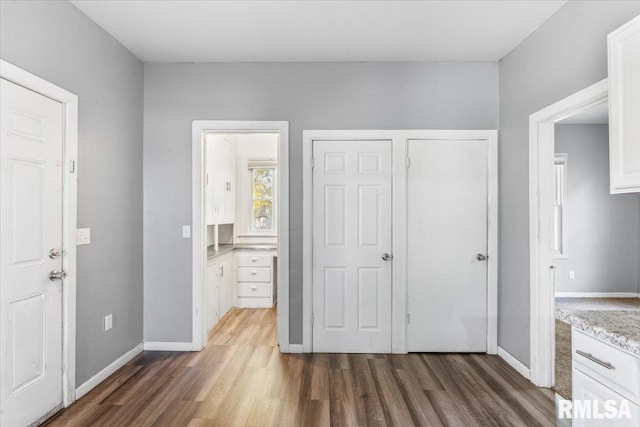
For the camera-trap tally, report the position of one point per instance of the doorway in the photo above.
(38, 257)
(240, 222)
(545, 224)
(349, 294)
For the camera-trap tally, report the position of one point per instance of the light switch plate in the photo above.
(572, 275)
(83, 236)
(108, 322)
(186, 231)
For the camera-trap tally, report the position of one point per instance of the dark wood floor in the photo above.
(241, 379)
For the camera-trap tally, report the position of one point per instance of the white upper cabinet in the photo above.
(220, 180)
(624, 107)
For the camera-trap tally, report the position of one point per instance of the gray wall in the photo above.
(566, 54)
(57, 42)
(602, 228)
(309, 96)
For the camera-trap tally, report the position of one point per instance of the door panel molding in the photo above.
(399, 140)
(69, 103)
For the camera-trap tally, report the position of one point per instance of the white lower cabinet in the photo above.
(605, 383)
(219, 294)
(255, 274)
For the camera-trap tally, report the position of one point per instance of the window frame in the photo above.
(560, 168)
(271, 199)
(245, 198)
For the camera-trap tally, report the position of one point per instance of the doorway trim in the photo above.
(541, 262)
(399, 140)
(69, 103)
(198, 241)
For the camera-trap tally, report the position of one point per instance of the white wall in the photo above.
(602, 228)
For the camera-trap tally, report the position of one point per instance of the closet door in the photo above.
(447, 245)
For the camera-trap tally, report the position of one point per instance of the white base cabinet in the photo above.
(255, 279)
(219, 294)
(606, 380)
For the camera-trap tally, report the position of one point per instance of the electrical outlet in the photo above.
(186, 231)
(83, 236)
(572, 275)
(108, 322)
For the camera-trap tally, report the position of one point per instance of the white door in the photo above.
(447, 239)
(31, 243)
(352, 217)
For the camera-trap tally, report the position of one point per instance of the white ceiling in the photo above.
(595, 115)
(312, 30)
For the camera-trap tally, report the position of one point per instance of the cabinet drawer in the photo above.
(619, 368)
(254, 289)
(247, 274)
(250, 260)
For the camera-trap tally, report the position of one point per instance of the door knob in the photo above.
(386, 257)
(55, 253)
(481, 257)
(57, 275)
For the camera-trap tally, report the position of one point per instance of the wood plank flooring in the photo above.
(241, 379)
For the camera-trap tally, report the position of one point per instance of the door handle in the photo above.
(55, 253)
(481, 257)
(386, 257)
(57, 275)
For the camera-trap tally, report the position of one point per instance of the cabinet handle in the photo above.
(595, 359)
(222, 271)
(254, 259)
(254, 288)
(253, 273)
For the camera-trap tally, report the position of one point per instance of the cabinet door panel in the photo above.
(587, 391)
(227, 285)
(624, 107)
(211, 296)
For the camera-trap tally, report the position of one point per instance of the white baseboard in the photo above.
(296, 348)
(168, 346)
(87, 386)
(514, 363)
(597, 295)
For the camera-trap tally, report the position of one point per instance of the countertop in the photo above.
(620, 328)
(223, 249)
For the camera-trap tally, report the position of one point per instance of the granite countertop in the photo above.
(620, 328)
(223, 249)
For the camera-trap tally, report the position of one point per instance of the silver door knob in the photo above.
(386, 257)
(55, 253)
(481, 257)
(57, 275)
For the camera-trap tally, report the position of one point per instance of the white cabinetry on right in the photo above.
(624, 107)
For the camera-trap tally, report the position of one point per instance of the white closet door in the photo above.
(447, 239)
(351, 232)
